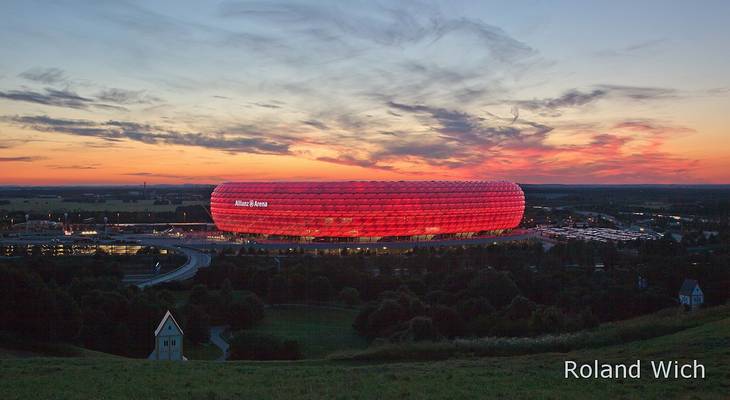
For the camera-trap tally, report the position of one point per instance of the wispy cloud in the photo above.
(74, 166)
(174, 176)
(575, 98)
(123, 96)
(115, 131)
(21, 159)
(49, 76)
(633, 49)
(49, 97)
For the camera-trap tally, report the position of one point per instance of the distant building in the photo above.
(690, 294)
(168, 340)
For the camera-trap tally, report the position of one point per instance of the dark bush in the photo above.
(520, 308)
(350, 296)
(382, 321)
(197, 327)
(278, 290)
(245, 313)
(448, 322)
(319, 289)
(422, 328)
(471, 308)
(547, 320)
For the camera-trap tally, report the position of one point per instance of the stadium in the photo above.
(367, 211)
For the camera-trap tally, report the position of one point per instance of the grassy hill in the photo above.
(319, 330)
(527, 376)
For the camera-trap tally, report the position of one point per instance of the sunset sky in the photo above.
(117, 92)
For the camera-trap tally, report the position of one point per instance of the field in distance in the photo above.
(44, 205)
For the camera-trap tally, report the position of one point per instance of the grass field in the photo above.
(36, 205)
(13, 346)
(320, 331)
(206, 351)
(519, 377)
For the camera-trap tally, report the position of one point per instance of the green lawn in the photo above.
(320, 331)
(520, 377)
(205, 351)
(12, 346)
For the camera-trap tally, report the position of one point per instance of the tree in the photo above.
(278, 289)
(144, 315)
(448, 322)
(245, 313)
(422, 328)
(495, 286)
(519, 308)
(197, 328)
(297, 286)
(350, 296)
(68, 320)
(547, 320)
(382, 322)
(473, 307)
(226, 293)
(199, 295)
(320, 289)
(362, 319)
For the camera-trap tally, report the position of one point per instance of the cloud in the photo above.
(73, 166)
(575, 98)
(353, 161)
(389, 26)
(47, 76)
(571, 98)
(67, 98)
(466, 130)
(123, 96)
(639, 92)
(394, 48)
(173, 176)
(50, 97)
(633, 49)
(649, 126)
(115, 131)
(21, 159)
(267, 105)
(317, 124)
(463, 144)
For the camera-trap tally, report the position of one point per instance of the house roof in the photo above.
(688, 286)
(168, 314)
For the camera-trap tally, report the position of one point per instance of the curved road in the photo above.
(196, 260)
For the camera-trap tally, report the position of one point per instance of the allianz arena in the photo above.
(368, 211)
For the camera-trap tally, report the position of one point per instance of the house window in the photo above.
(165, 344)
(173, 342)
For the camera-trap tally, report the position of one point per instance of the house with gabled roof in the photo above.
(168, 340)
(691, 295)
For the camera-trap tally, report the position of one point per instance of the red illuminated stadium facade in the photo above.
(367, 211)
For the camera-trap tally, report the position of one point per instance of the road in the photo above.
(195, 261)
(217, 339)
